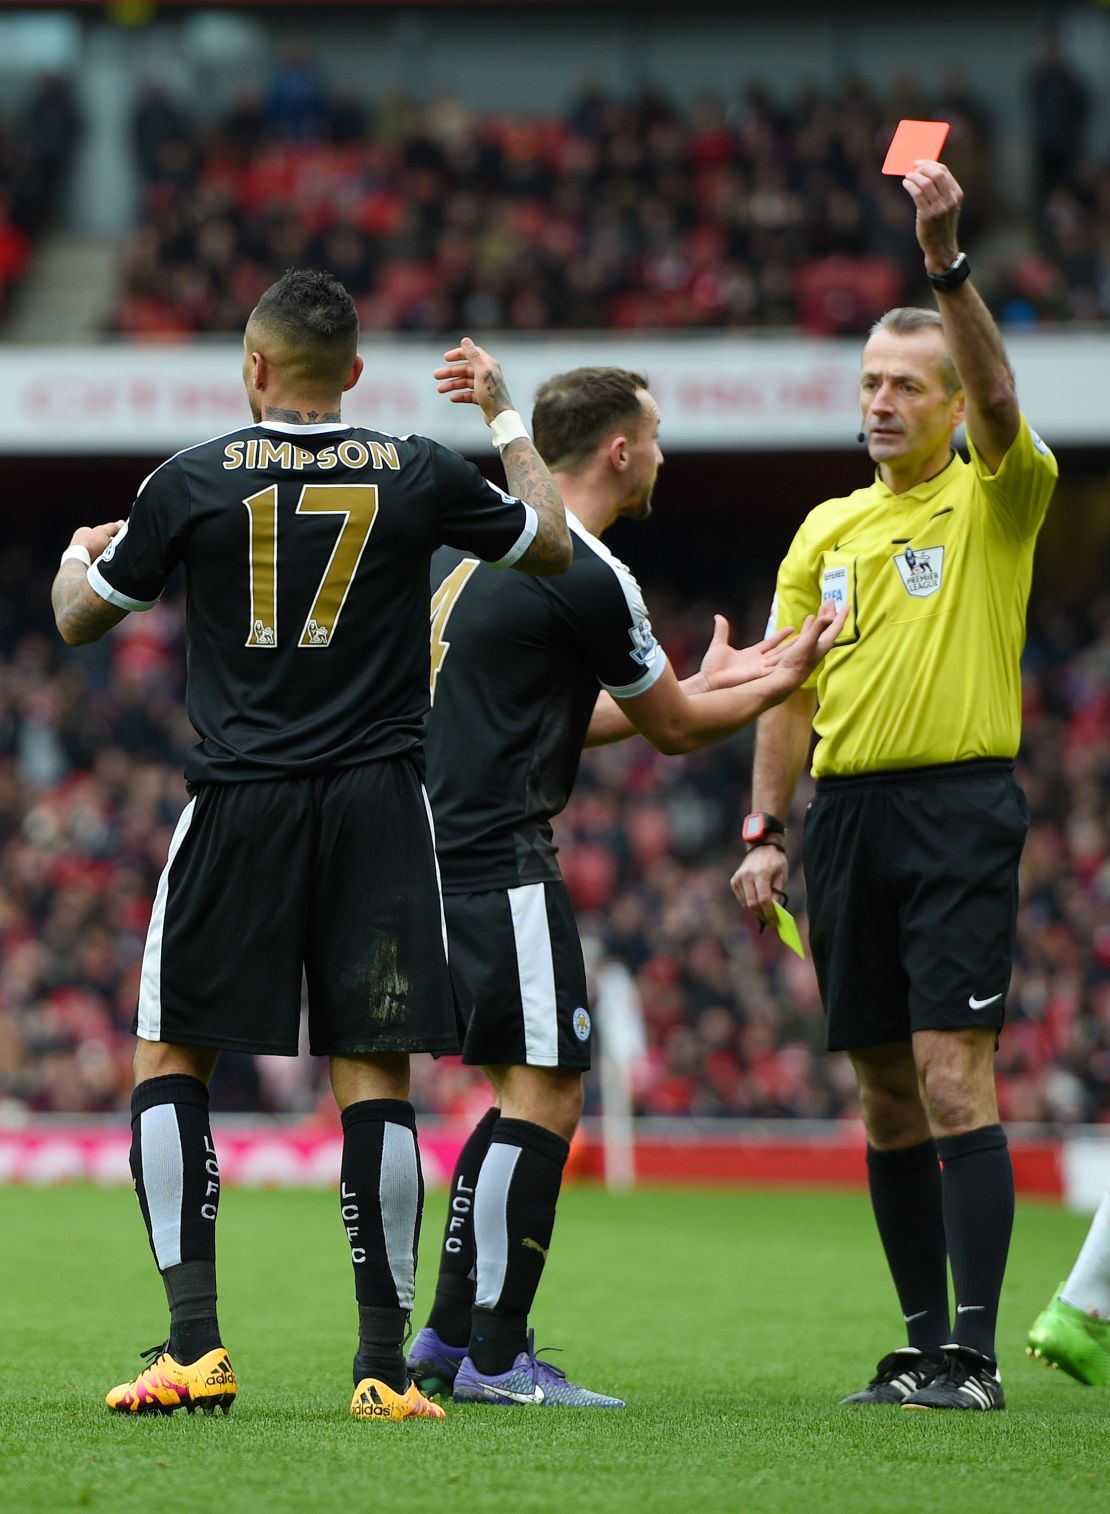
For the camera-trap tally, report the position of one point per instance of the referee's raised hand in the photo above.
(937, 198)
(472, 376)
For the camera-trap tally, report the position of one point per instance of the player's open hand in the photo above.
(937, 199)
(472, 376)
(800, 656)
(96, 538)
(725, 666)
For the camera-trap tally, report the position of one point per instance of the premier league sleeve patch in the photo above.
(920, 569)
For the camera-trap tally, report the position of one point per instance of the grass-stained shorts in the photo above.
(912, 885)
(333, 875)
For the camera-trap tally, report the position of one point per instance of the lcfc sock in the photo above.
(177, 1182)
(906, 1199)
(514, 1215)
(450, 1316)
(977, 1189)
(381, 1197)
(1088, 1286)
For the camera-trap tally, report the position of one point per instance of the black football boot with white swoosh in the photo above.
(898, 1375)
(968, 1380)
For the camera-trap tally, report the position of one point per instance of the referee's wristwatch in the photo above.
(761, 829)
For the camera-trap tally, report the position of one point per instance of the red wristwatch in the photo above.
(759, 827)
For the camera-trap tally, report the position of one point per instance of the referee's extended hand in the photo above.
(760, 879)
(472, 376)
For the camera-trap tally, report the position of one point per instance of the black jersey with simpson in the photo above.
(516, 667)
(306, 551)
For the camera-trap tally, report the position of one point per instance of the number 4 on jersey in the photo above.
(443, 602)
(358, 504)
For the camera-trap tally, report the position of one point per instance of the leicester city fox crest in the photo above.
(920, 570)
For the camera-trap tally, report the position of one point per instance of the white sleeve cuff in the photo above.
(523, 541)
(100, 584)
(641, 686)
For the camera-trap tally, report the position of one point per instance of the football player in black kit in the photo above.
(516, 674)
(306, 844)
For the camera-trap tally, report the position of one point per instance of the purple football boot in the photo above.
(528, 1381)
(433, 1364)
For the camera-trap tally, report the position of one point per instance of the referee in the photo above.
(914, 836)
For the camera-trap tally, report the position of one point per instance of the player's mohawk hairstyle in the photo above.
(315, 319)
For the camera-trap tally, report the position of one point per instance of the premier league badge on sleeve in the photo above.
(920, 570)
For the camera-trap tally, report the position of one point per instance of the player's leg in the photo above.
(177, 1182)
(1073, 1332)
(221, 969)
(378, 989)
(904, 1181)
(381, 1197)
(438, 1349)
(518, 959)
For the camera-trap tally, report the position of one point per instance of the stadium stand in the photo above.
(38, 137)
(623, 213)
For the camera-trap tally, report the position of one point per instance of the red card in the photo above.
(914, 139)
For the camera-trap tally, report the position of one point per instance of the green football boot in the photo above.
(1065, 1337)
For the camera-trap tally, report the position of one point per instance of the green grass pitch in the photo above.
(731, 1321)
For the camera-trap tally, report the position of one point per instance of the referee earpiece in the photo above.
(862, 436)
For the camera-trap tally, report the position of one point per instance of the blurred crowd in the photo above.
(37, 141)
(91, 744)
(741, 213)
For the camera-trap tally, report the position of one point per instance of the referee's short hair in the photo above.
(314, 323)
(904, 320)
(574, 411)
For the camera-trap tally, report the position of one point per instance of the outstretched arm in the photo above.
(723, 666)
(471, 376)
(674, 721)
(970, 334)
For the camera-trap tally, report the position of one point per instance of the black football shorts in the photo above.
(912, 884)
(333, 875)
(520, 982)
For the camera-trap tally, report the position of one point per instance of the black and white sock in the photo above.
(177, 1181)
(514, 1215)
(977, 1188)
(450, 1316)
(381, 1197)
(906, 1198)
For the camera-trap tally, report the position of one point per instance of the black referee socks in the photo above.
(514, 1216)
(450, 1316)
(381, 1199)
(177, 1181)
(977, 1189)
(906, 1199)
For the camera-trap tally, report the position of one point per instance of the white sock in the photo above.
(1088, 1287)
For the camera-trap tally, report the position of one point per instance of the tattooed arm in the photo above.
(79, 612)
(472, 377)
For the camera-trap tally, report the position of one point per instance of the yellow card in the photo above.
(788, 930)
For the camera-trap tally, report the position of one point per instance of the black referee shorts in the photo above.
(912, 884)
(520, 983)
(333, 875)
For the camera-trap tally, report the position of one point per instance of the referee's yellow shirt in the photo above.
(927, 668)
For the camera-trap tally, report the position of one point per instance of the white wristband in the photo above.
(508, 427)
(77, 554)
